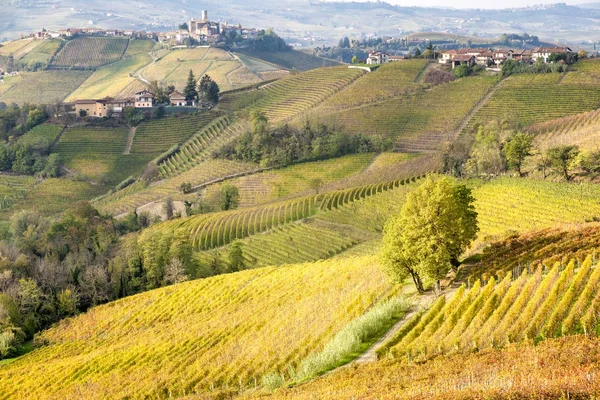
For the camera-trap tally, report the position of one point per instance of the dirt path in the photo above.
(465, 121)
(422, 302)
(129, 142)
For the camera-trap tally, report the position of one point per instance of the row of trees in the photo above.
(497, 148)
(206, 90)
(285, 145)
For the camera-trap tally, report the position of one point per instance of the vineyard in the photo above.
(41, 136)
(44, 87)
(518, 205)
(389, 81)
(114, 80)
(554, 367)
(215, 336)
(157, 136)
(562, 301)
(200, 146)
(90, 52)
(137, 195)
(533, 98)
(208, 231)
(42, 52)
(292, 59)
(290, 96)
(97, 153)
(293, 243)
(415, 115)
(293, 180)
(531, 249)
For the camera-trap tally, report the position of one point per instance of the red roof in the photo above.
(463, 57)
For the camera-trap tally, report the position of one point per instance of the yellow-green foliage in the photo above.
(532, 98)
(388, 81)
(586, 296)
(90, 52)
(533, 307)
(9, 48)
(507, 204)
(218, 334)
(44, 87)
(274, 184)
(582, 130)
(413, 114)
(291, 96)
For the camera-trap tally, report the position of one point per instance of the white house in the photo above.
(144, 99)
(377, 57)
(545, 52)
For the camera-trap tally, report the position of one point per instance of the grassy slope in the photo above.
(211, 335)
(292, 59)
(44, 87)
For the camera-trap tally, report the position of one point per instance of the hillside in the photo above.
(202, 335)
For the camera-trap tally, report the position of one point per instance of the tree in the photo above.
(316, 184)
(209, 90)
(190, 91)
(175, 272)
(462, 71)
(184, 26)
(229, 197)
(486, 153)
(562, 158)
(82, 113)
(354, 60)
(435, 226)
(168, 208)
(517, 148)
(236, 257)
(582, 54)
(417, 52)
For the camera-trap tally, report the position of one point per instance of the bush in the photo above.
(437, 76)
(462, 71)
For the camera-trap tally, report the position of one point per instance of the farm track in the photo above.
(130, 138)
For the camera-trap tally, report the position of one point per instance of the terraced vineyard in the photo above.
(199, 147)
(137, 195)
(509, 205)
(292, 59)
(42, 52)
(44, 87)
(533, 98)
(293, 243)
(290, 96)
(293, 180)
(90, 52)
(157, 136)
(13, 189)
(10, 48)
(539, 306)
(207, 231)
(416, 115)
(389, 81)
(205, 336)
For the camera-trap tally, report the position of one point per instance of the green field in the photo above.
(44, 87)
(97, 154)
(155, 137)
(90, 52)
(42, 136)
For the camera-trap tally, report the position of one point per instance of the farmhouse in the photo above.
(463, 59)
(102, 108)
(177, 99)
(144, 99)
(377, 57)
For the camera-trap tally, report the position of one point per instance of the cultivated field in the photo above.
(44, 87)
(216, 336)
(90, 52)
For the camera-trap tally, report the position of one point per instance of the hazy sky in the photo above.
(477, 3)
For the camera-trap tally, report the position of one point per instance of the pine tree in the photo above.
(190, 91)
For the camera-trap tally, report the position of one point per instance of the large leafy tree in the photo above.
(517, 148)
(562, 159)
(435, 226)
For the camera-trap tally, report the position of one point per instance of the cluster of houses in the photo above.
(71, 32)
(488, 57)
(143, 100)
(483, 56)
(3, 74)
(204, 30)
